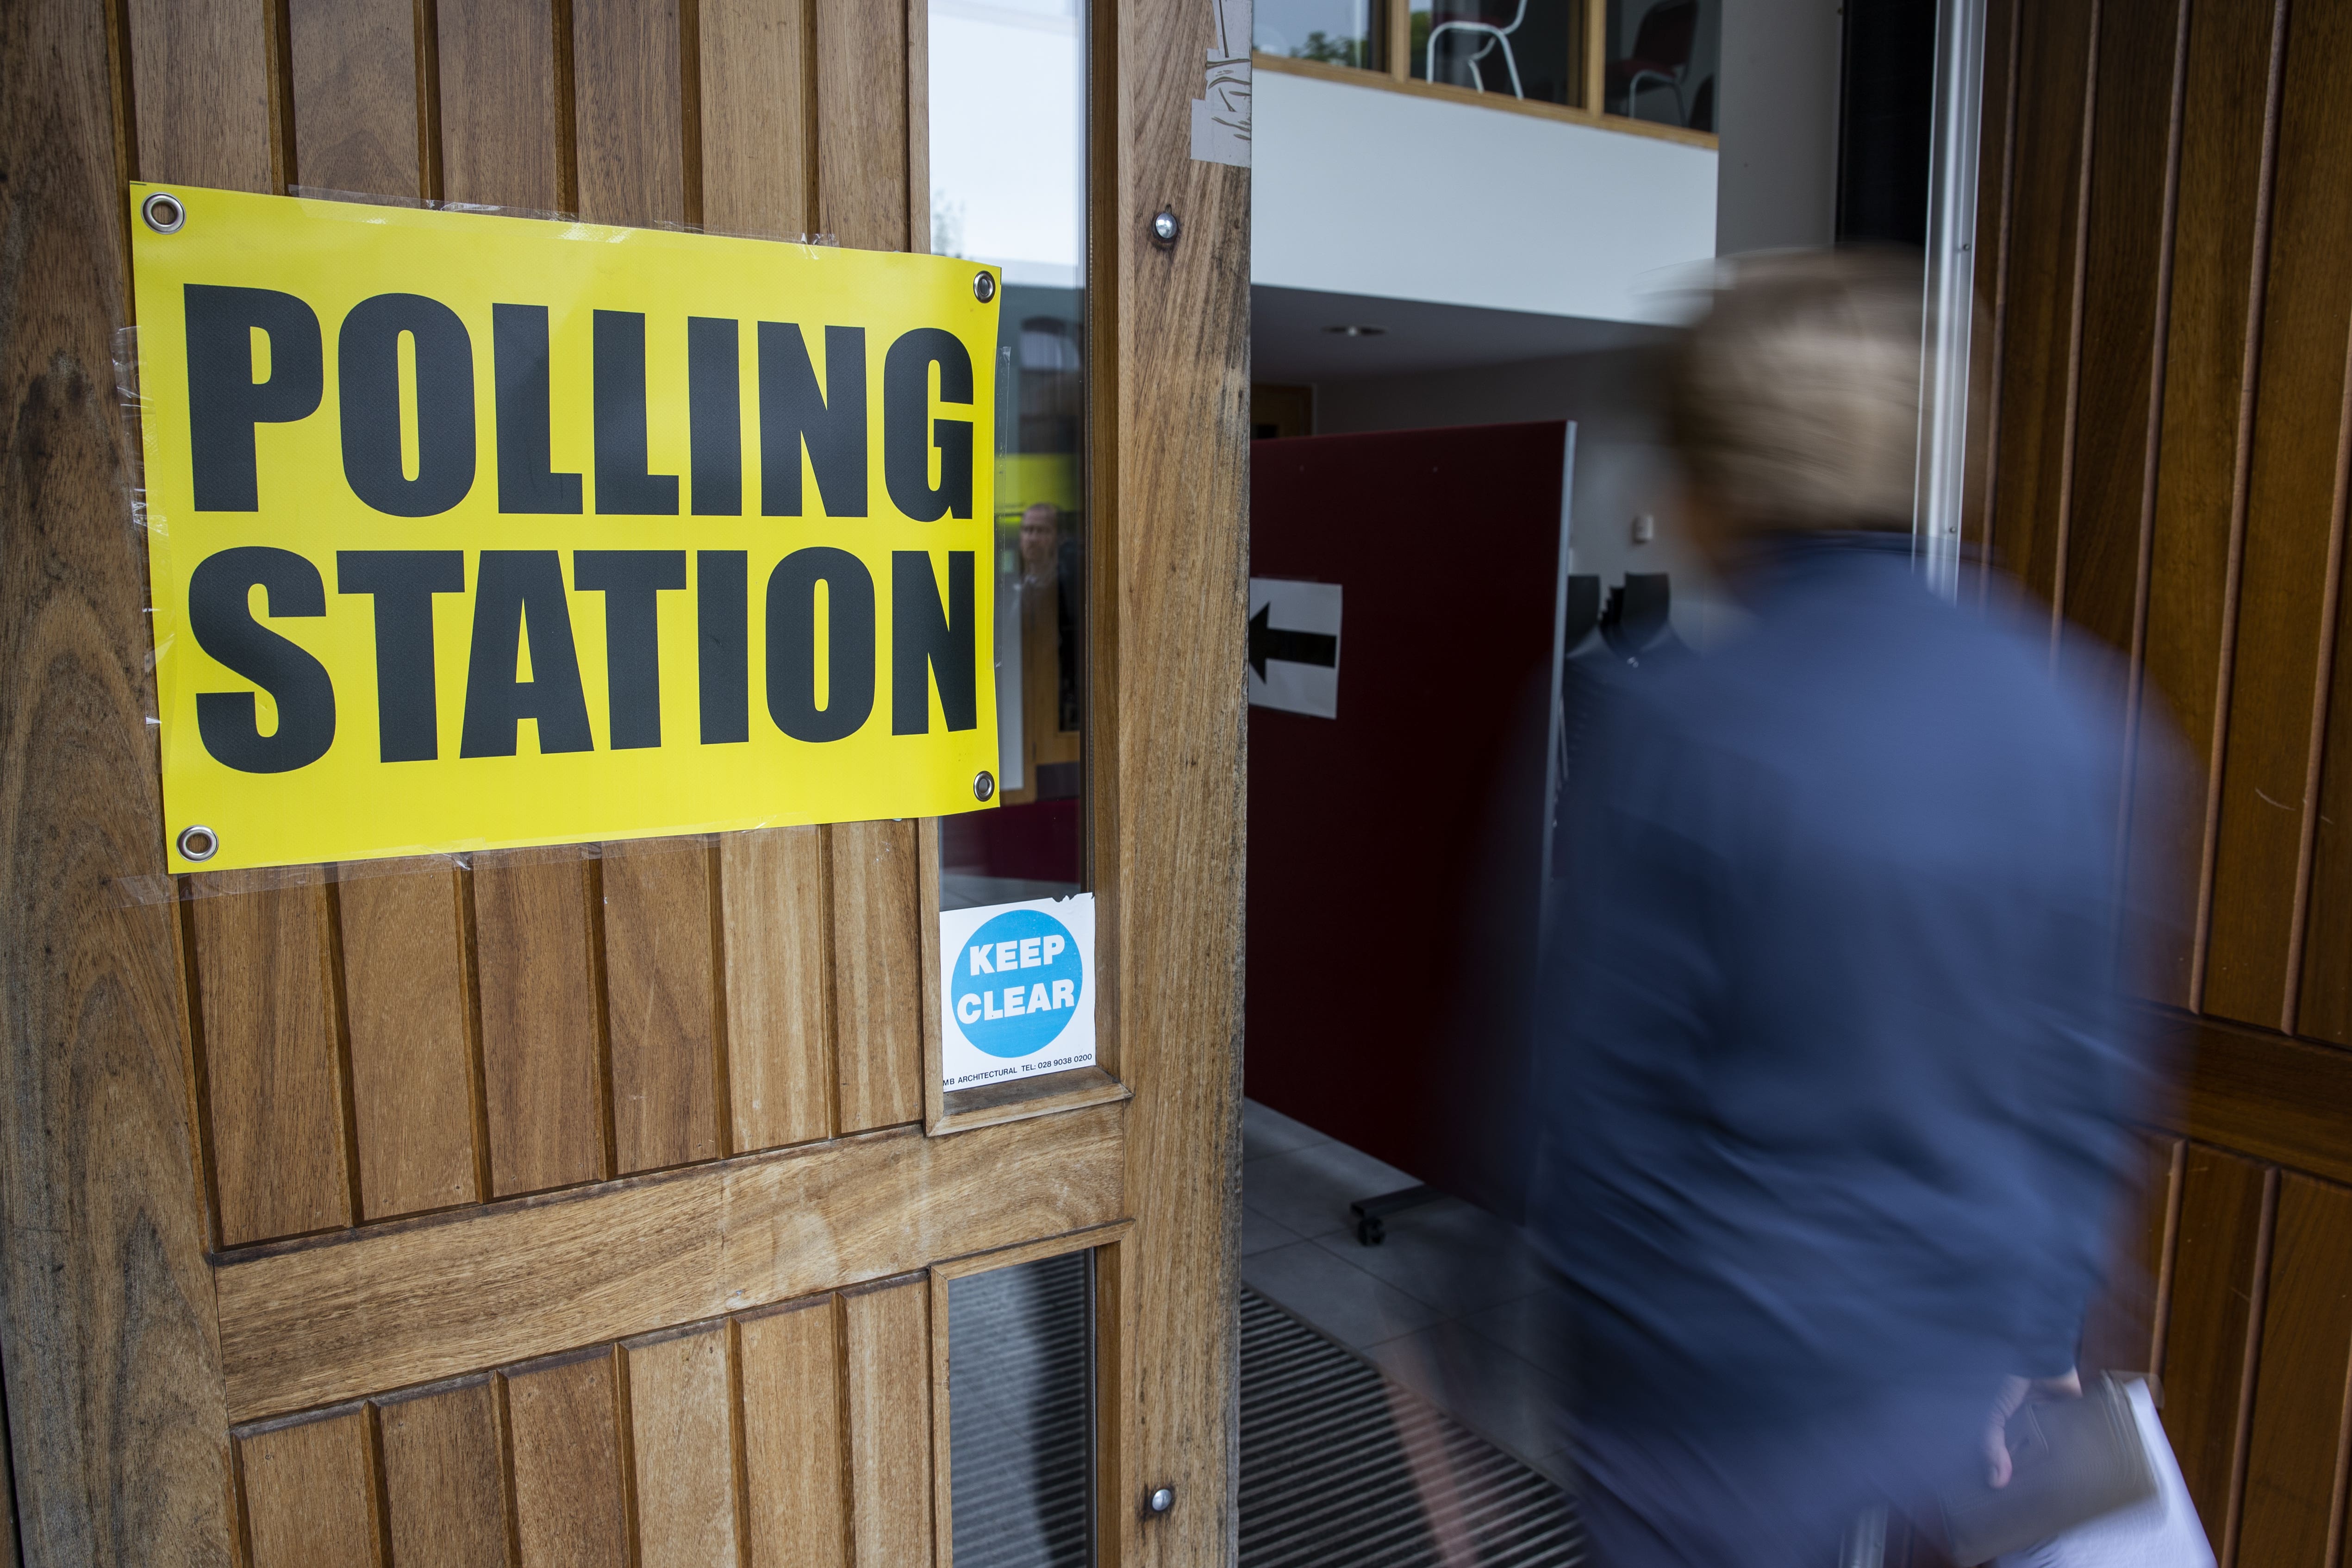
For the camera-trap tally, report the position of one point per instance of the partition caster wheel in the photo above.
(1371, 1231)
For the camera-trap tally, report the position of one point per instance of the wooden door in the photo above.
(2166, 244)
(589, 1205)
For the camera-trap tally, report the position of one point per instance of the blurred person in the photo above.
(1833, 1068)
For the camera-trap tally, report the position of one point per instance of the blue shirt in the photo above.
(1834, 1075)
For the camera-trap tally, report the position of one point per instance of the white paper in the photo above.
(1016, 990)
(2160, 1532)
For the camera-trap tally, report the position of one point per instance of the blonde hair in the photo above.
(1796, 398)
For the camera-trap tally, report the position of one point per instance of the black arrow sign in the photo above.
(1268, 642)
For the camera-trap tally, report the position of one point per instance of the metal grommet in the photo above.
(165, 214)
(198, 843)
(984, 286)
(1165, 227)
(1163, 1499)
(984, 787)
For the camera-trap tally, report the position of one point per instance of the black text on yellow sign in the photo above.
(469, 531)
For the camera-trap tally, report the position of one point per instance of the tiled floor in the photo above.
(1448, 1305)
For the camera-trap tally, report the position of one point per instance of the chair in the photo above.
(1660, 54)
(1497, 38)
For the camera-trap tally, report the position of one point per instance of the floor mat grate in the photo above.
(1327, 1463)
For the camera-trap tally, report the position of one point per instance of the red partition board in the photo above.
(1394, 851)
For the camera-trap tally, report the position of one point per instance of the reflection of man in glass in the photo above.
(1041, 533)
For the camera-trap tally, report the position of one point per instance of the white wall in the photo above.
(1357, 189)
(1777, 115)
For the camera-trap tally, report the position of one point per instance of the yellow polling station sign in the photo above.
(467, 532)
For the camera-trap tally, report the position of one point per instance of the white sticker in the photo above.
(1294, 645)
(1017, 988)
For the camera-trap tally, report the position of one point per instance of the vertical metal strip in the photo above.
(1950, 301)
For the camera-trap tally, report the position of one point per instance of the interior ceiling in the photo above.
(1290, 343)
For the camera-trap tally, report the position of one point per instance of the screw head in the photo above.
(984, 286)
(1165, 226)
(983, 786)
(1163, 1499)
(164, 214)
(198, 843)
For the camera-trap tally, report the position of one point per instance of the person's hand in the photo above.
(2015, 1391)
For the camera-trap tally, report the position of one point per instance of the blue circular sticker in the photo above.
(1017, 983)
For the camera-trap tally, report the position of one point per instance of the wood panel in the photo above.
(1169, 781)
(504, 142)
(309, 1492)
(877, 979)
(756, 142)
(860, 81)
(2303, 1394)
(408, 1005)
(543, 1080)
(114, 1399)
(443, 1296)
(2277, 1098)
(797, 1513)
(2209, 1344)
(354, 81)
(681, 1410)
(2293, 522)
(669, 1065)
(272, 1063)
(2055, 99)
(2127, 246)
(777, 906)
(444, 1468)
(887, 1380)
(570, 1479)
(2212, 334)
(629, 118)
(202, 93)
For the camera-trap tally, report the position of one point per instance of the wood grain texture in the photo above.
(754, 60)
(861, 102)
(445, 1500)
(543, 1082)
(2205, 438)
(201, 90)
(2295, 1457)
(681, 1419)
(2292, 507)
(407, 1002)
(628, 117)
(445, 1296)
(2042, 309)
(502, 141)
(271, 1057)
(2216, 1280)
(570, 1493)
(661, 980)
(1167, 862)
(797, 1513)
(106, 1327)
(2273, 1097)
(354, 85)
(309, 1493)
(877, 983)
(777, 908)
(887, 1384)
(2126, 240)
(2324, 1008)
